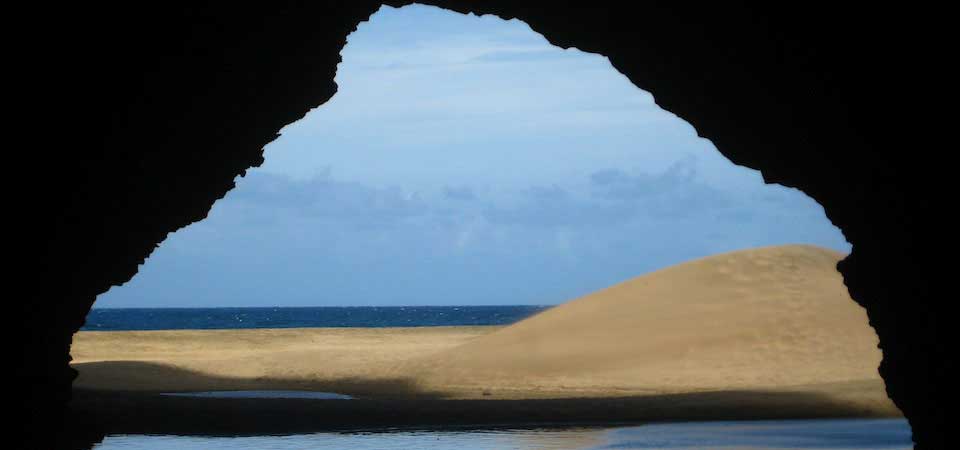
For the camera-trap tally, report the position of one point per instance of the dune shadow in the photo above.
(146, 377)
(397, 404)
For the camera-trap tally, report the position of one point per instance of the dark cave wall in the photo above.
(160, 108)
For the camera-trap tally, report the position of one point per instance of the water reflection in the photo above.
(426, 440)
(866, 434)
(787, 434)
(263, 394)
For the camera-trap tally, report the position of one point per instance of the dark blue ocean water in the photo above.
(126, 319)
(832, 434)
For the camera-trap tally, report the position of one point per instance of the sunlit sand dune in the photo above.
(762, 318)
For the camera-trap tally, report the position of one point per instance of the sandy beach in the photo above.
(361, 362)
(755, 334)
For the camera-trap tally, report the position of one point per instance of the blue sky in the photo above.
(465, 160)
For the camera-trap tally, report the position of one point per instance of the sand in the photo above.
(761, 318)
(355, 361)
(760, 333)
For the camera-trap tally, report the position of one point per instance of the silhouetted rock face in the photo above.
(139, 118)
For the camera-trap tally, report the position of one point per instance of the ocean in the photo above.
(138, 319)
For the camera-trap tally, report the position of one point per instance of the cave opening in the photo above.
(397, 211)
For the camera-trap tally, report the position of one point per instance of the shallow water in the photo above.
(263, 394)
(864, 434)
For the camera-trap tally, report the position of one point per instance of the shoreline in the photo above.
(122, 374)
(380, 363)
(142, 413)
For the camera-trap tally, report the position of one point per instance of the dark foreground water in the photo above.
(861, 434)
(127, 319)
(314, 395)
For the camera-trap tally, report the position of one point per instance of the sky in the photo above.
(466, 161)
